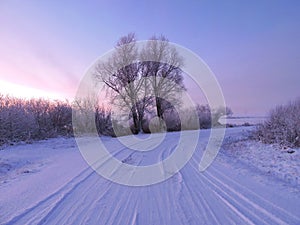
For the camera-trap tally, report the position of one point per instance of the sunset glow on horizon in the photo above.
(24, 92)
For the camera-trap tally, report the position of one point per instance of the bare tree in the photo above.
(138, 84)
(120, 75)
(84, 110)
(163, 71)
(218, 113)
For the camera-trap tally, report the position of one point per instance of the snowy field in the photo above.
(48, 182)
(240, 120)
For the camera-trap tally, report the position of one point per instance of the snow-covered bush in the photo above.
(84, 110)
(207, 118)
(25, 120)
(104, 122)
(189, 121)
(89, 117)
(15, 121)
(204, 115)
(61, 117)
(172, 121)
(282, 126)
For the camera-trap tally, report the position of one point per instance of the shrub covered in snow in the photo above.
(282, 126)
(205, 118)
(24, 120)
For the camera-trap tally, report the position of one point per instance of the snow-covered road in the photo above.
(64, 190)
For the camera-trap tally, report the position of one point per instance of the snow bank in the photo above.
(283, 163)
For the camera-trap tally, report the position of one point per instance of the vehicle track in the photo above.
(217, 196)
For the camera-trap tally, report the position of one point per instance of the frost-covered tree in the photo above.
(164, 73)
(138, 84)
(120, 74)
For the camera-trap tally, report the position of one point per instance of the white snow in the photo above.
(283, 163)
(48, 182)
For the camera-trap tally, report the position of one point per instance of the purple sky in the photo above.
(253, 47)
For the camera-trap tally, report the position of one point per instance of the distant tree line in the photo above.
(36, 119)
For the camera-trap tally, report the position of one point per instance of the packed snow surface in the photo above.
(48, 182)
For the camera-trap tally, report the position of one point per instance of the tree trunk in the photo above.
(159, 108)
(136, 124)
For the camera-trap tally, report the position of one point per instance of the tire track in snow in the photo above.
(235, 204)
(76, 207)
(34, 214)
(204, 202)
(75, 215)
(266, 213)
(38, 212)
(188, 197)
(87, 194)
(255, 197)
